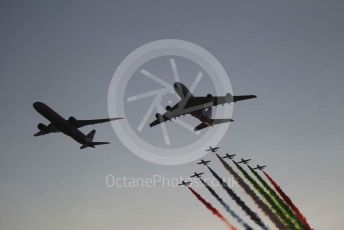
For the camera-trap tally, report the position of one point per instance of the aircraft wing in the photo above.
(243, 97)
(48, 129)
(81, 123)
(197, 103)
(211, 149)
(206, 102)
(191, 105)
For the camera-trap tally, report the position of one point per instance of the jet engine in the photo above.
(209, 96)
(229, 97)
(159, 116)
(41, 126)
(168, 108)
(72, 120)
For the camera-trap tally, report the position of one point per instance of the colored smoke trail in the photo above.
(267, 198)
(212, 209)
(291, 204)
(253, 195)
(277, 199)
(238, 200)
(225, 206)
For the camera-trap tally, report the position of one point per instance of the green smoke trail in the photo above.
(266, 196)
(287, 199)
(290, 215)
(261, 204)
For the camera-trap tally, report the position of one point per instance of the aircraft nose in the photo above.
(37, 105)
(176, 85)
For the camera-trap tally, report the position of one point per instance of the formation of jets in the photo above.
(198, 107)
(227, 155)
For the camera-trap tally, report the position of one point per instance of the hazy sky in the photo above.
(64, 53)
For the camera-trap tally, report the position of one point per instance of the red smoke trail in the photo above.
(212, 209)
(286, 199)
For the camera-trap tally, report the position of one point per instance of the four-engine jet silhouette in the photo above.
(198, 107)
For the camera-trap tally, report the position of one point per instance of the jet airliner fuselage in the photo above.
(68, 127)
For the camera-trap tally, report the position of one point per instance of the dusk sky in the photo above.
(64, 53)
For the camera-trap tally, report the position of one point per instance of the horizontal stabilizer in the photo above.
(90, 137)
(201, 126)
(100, 143)
(93, 144)
(204, 125)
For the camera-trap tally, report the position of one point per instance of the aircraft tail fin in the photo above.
(92, 144)
(91, 134)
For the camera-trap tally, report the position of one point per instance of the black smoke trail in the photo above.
(226, 206)
(238, 200)
(278, 200)
(267, 198)
(253, 195)
(286, 198)
(212, 209)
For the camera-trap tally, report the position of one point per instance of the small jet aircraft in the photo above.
(244, 161)
(211, 149)
(229, 156)
(198, 107)
(197, 175)
(203, 162)
(260, 167)
(184, 183)
(69, 127)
